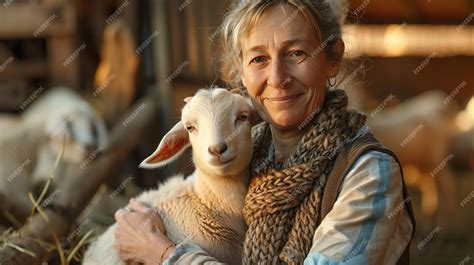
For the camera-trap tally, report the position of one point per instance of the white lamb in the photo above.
(206, 208)
(63, 112)
(30, 143)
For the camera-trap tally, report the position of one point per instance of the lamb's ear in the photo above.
(171, 147)
(254, 117)
(101, 131)
(58, 125)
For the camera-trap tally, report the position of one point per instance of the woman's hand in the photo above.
(140, 234)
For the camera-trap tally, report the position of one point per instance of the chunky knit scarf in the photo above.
(282, 206)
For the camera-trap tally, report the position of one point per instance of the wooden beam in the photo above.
(24, 69)
(23, 20)
(407, 40)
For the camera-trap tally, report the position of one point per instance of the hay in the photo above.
(78, 245)
(51, 177)
(8, 234)
(5, 238)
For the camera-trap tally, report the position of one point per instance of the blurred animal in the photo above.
(464, 139)
(31, 143)
(206, 208)
(116, 73)
(420, 130)
(465, 118)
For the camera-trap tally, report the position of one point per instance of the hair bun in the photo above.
(340, 9)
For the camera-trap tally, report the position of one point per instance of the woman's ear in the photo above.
(336, 59)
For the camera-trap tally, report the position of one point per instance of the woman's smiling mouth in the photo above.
(284, 99)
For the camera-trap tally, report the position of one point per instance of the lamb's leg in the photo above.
(102, 251)
(447, 213)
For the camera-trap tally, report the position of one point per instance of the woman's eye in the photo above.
(297, 54)
(259, 59)
(189, 128)
(243, 117)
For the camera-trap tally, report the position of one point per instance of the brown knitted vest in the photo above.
(283, 203)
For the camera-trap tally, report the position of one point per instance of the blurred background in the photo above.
(97, 84)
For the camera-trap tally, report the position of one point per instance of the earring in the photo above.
(331, 84)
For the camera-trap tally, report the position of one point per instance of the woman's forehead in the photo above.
(279, 26)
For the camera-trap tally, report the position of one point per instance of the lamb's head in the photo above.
(84, 131)
(216, 123)
(78, 129)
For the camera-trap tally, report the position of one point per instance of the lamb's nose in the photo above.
(217, 149)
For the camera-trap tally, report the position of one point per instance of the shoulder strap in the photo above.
(344, 161)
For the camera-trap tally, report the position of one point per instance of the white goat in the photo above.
(420, 130)
(65, 114)
(30, 144)
(205, 209)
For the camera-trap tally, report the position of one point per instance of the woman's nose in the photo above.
(277, 76)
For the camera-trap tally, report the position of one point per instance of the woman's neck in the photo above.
(285, 142)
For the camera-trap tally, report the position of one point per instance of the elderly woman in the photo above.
(323, 190)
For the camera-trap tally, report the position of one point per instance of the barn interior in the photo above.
(88, 89)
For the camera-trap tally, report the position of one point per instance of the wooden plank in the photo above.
(12, 94)
(192, 48)
(162, 59)
(35, 21)
(207, 48)
(177, 42)
(395, 75)
(442, 10)
(24, 69)
(409, 40)
(63, 60)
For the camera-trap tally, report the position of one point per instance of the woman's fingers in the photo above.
(136, 235)
(147, 216)
(129, 234)
(152, 214)
(139, 206)
(119, 214)
(139, 236)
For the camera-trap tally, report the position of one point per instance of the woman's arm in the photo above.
(369, 223)
(140, 236)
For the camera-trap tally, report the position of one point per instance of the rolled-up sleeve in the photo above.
(369, 223)
(188, 253)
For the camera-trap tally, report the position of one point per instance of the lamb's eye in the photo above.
(242, 117)
(189, 127)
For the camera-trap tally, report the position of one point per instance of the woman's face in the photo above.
(284, 68)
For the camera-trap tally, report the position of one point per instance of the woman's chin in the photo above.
(285, 121)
